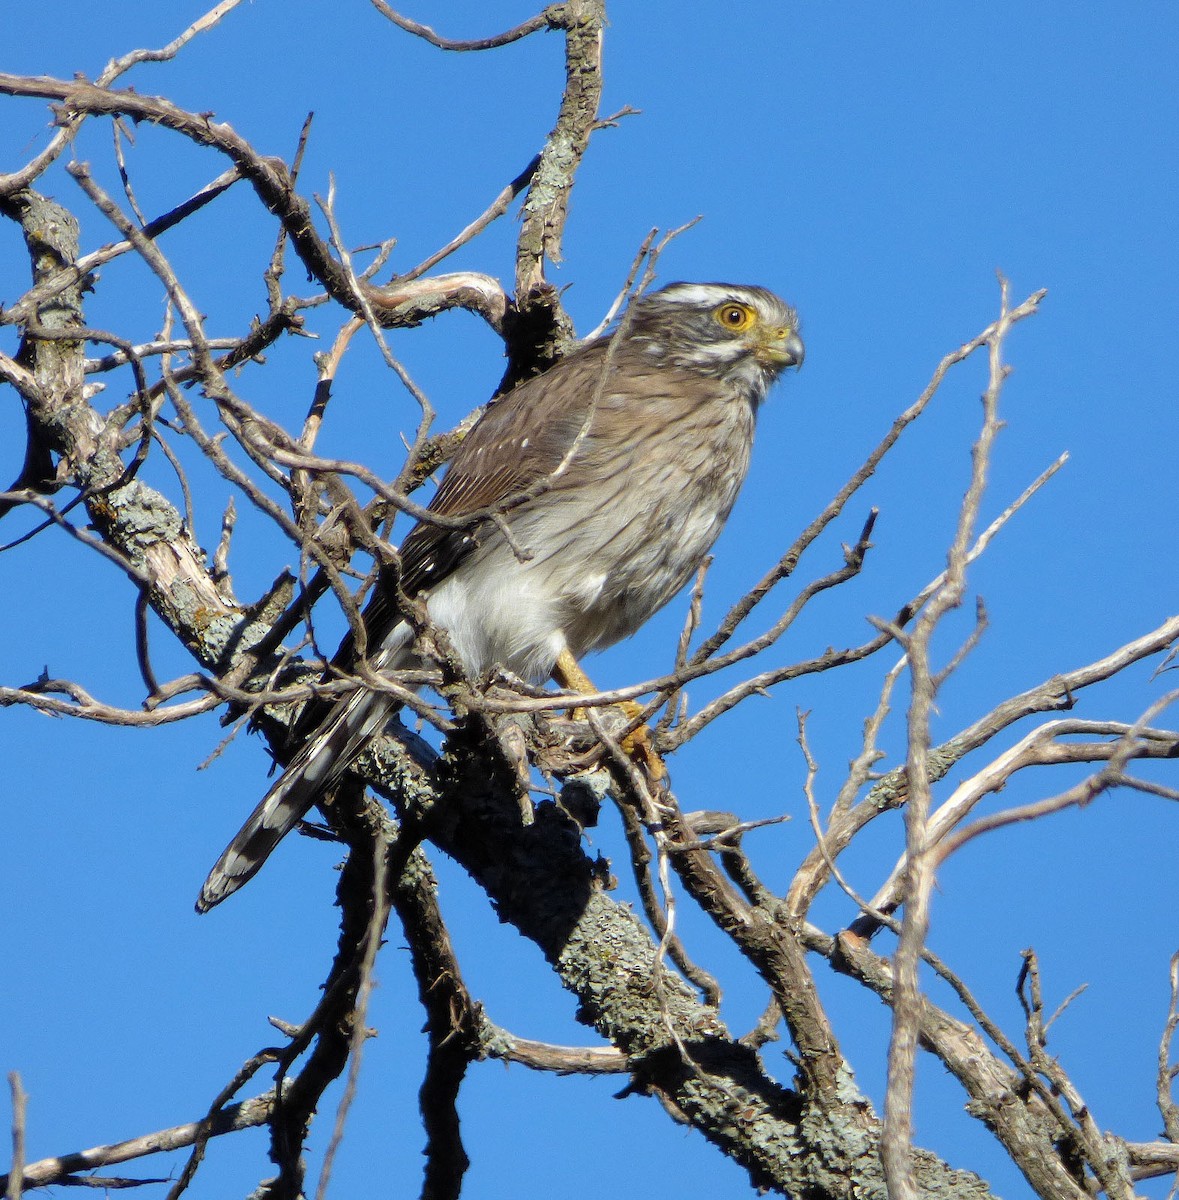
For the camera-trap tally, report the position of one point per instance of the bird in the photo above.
(615, 470)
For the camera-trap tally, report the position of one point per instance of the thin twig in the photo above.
(18, 180)
(246, 1115)
(550, 18)
(786, 564)
(494, 210)
(372, 943)
(896, 1139)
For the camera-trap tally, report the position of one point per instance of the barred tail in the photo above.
(325, 756)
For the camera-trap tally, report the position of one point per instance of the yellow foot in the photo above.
(638, 747)
(637, 744)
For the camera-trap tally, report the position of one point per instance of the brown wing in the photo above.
(518, 442)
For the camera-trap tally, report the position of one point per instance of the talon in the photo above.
(637, 744)
(638, 747)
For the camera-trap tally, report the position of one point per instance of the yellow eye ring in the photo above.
(734, 316)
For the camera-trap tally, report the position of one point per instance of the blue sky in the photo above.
(874, 165)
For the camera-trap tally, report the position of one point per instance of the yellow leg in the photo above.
(568, 674)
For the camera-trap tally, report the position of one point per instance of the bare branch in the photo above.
(786, 564)
(269, 177)
(1077, 796)
(552, 17)
(896, 1143)
(546, 207)
(543, 1056)
(17, 1178)
(372, 943)
(1167, 1071)
(248, 1114)
(1041, 747)
(19, 180)
(494, 210)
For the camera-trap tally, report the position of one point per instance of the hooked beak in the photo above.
(780, 347)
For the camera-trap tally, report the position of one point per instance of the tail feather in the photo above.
(325, 756)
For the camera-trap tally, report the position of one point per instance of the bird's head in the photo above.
(730, 331)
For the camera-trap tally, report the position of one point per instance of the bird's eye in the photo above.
(735, 317)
